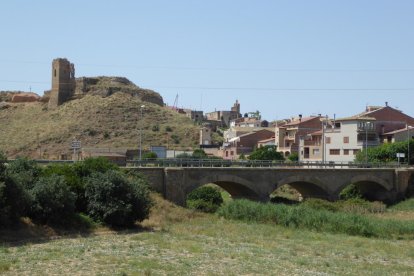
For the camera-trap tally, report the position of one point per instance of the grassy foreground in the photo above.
(175, 241)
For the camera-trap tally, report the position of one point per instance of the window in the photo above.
(315, 152)
(346, 151)
(328, 140)
(54, 72)
(337, 125)
(356, 151)
(346, 140)
(231, 152)
(334, 151)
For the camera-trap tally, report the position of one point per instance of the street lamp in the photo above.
(366, 142)
(140, 133)
(408, 145)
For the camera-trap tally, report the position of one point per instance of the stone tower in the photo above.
(63, 82)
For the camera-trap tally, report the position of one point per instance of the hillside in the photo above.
(30, 129)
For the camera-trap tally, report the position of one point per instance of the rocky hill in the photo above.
(105, 113)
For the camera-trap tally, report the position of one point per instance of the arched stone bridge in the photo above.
(259, 183)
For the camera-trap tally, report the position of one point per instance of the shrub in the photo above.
(155, 128)
(92, 165)
(53, 202)
(24, 171)
(205, 199)
(115, 200)
(149, 155)
(14, 201)
(168, 129)
(199, 154)
(73, 180)
(294, 157)
(349, 192)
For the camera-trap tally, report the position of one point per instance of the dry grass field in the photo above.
(177, 241)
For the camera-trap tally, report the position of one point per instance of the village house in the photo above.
(287, 136)
(245, 143)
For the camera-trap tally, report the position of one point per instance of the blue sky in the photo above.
(279, 57)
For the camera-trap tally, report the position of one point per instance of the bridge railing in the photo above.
(178, 162)
(254, 163)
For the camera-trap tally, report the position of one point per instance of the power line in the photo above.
(247, 69)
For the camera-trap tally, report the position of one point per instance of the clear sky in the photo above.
(282, 58)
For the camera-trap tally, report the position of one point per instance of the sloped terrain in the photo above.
(30, 129)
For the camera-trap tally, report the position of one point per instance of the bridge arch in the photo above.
(236, 186)
(308, 187)
(370, 186)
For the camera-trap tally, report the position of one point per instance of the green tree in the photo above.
(386, 152)
(266, 153)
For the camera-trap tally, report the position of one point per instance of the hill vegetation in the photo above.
(30, 129)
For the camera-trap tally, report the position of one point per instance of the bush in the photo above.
(14, 201)
(92, 165)
(294, 157)
(24, 171)
(115, 200)
(205, 199)
(53, 202)
(320, 204)
(350, 192)
(149, 155)
(73, 180)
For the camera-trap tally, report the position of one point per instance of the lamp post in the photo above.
(408, 145)
(140, 134)
(366, 142)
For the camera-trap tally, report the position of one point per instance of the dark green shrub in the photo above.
(349, 192)
(92, 165)
(24, 171)
(15, 201)
(149, 155)
(294, 157)
(115, 200)
(73, 180)
(199, 154)
(168, 129)
(53, 202)
(155, 128)
(205, 199)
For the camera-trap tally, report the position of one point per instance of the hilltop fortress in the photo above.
(66, 87)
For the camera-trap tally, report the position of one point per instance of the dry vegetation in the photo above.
(176, 241)
(31, 129)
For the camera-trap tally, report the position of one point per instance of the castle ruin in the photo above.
(63, 82)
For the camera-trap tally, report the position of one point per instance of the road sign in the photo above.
(400, 155)
(76, 144)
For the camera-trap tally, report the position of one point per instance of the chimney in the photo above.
(386, 103)
(300, 117)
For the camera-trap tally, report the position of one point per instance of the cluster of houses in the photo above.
(314, 138)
